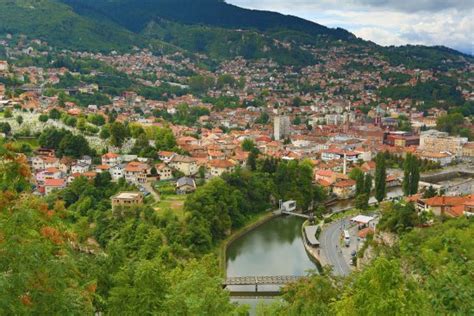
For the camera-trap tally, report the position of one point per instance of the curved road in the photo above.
(331, 248)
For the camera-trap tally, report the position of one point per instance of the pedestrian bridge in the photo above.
(262, 280)
(259, 280)
(280, 212)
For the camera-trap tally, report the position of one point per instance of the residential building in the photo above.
(51, 185)
(111, 159)
(127, 199)
(344, 189)
(137, 172)
(187, 165)
(185, 185)
(164, 172)
(219, 167)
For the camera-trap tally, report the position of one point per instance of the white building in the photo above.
(281, 127)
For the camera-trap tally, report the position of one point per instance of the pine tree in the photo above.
(406, 175)
(252, 161)
(411, 175)
(380, 177)
(368, 184)
(360, 184)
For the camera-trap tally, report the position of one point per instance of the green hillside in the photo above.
(211, 27)
(61, 27)
(136, 14)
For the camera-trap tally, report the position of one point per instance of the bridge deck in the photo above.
(264, 280)
(295, 214)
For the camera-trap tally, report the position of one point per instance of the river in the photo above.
(274, 248)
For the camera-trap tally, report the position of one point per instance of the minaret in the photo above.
(345, 164)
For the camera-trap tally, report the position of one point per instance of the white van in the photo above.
(347, 238)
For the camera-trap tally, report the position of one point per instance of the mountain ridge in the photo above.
(211, 27)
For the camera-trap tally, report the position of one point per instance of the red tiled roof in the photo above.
(54, 182)
(223, 164)
(345, 183)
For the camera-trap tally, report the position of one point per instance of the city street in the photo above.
(331, 247)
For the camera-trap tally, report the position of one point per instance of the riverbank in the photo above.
(253, 224)
(313, 253)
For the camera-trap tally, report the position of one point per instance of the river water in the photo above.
(274, 248)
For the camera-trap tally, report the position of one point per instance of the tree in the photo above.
(360, 184)
(139, 288)
(7, 113)
(362, 201)
(411, 176)
(5, 128)
(252, 161)
(368, 184)
(382, 289)
(430, 192)
(380, 177)
(54, 114)
(118, 133)
(263, 119)
(104, 133)
(398, 218)
(37, 282)
(355, 173)
(297, 102)
(19, 119)
(165, 139)
(312, 296)
(43, 118)
(248, 145)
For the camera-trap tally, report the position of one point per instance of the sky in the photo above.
(386, 22)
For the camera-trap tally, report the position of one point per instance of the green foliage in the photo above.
(396, 78)
(293, 181)
(382, 289)
(252, 161)
(57, 24)
(307, 297)
(64, 142)
(118, 133)
(411, 175)
(423, 57)
(5, 128)
(362, 201)
(54, 114)
(399, 218)
(441, 93)
(43, 118)
(44, 276)
(264, 118)
(165, 140)
(7, 113)
(380, 177)
(443, 256)
(453, 124)
(248, 145)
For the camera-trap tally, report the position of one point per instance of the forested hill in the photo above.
(211, 27)
(136, 14)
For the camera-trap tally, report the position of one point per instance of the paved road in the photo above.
(331, 248)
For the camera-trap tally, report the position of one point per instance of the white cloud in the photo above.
(387, 22)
